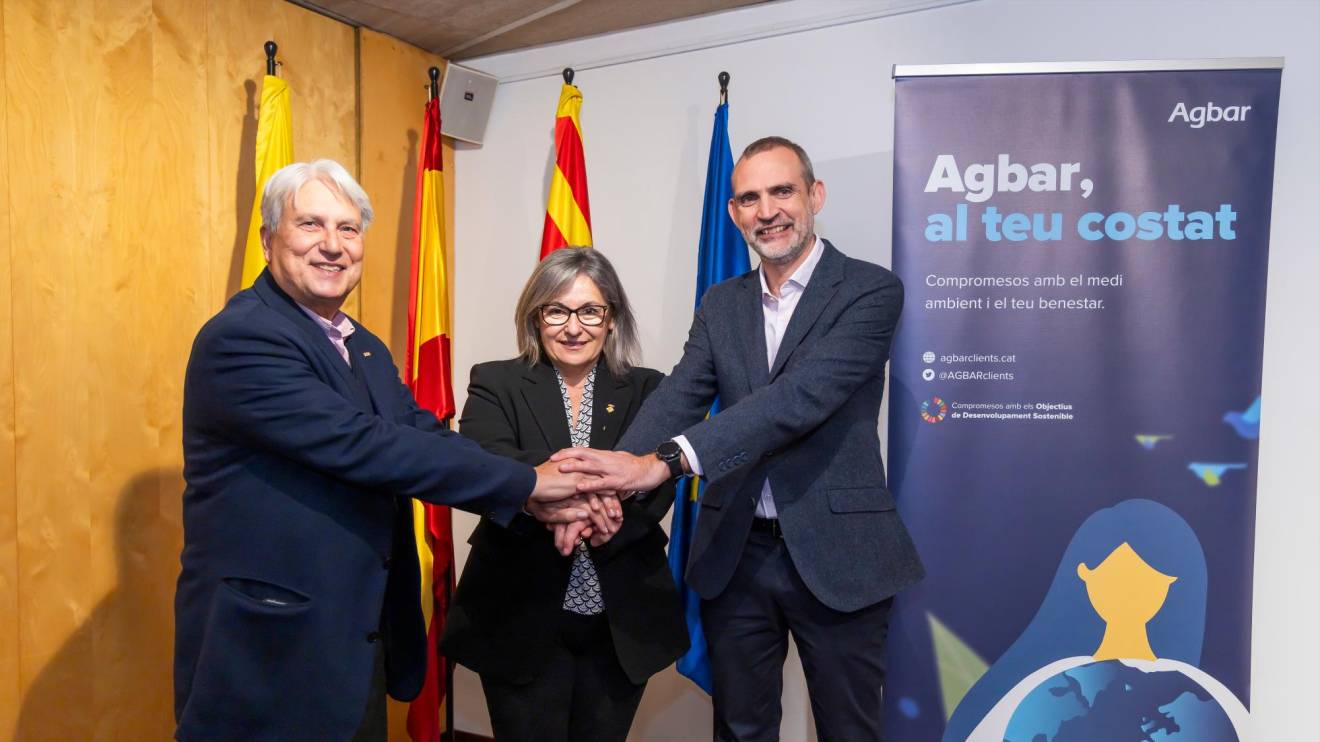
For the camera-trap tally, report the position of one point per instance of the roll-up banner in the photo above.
(1075, 401)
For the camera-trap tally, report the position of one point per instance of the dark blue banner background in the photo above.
(1139, 401)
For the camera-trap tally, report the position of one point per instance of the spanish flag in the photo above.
(567, 213)
(274, 151)
(427, 370)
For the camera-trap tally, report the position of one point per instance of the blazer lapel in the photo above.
(541, 392)
(377, 385)
(275, 298)
(822, 287)
(609, 409)
(751, 329)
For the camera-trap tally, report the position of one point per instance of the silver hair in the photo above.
(287, 181)
(553, 276)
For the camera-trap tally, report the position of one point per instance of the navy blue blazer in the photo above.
(298, 554)
(807, 422)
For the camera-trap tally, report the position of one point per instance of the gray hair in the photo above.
(765, 144)
(289, 179)
(553, 276)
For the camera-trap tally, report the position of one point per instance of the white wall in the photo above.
(646, 132)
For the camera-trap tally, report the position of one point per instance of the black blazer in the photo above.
(297, 556)
(506, 607)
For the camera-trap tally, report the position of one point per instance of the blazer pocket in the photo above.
(251, 647)
(859, 499)
(266, 595)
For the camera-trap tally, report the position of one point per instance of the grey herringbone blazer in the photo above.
(808, 423)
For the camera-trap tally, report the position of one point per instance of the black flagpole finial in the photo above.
(271, 48)
(724, 87)
(568, 75)
(434, 72)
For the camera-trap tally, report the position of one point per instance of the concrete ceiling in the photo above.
(463, 29)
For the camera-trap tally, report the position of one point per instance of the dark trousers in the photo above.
(582, 695)
(747, 630)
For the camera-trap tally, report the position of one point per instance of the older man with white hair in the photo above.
(298, 601)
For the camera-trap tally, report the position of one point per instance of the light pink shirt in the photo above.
(336, 330)
(777, 312)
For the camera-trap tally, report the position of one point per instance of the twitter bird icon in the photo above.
(1247, 424)
(1212, 474)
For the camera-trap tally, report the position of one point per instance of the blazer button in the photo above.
(373, 637)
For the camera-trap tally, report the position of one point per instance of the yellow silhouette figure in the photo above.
(1127, 593)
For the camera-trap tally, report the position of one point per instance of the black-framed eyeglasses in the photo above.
(589, 315)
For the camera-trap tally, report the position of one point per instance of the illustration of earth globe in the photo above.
(1114, 702)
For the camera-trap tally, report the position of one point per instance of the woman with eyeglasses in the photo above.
(564, 645)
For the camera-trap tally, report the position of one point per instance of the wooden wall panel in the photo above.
(318, 63)
(126, 138)
(394, 83)
(107, 105)
(9, 672)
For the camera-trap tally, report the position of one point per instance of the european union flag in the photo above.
(722, 255)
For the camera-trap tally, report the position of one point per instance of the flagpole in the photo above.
(723, 78)
(271, 47)
(448, 735)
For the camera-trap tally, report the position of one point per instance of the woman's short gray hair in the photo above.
(286, 182)
(553, 276)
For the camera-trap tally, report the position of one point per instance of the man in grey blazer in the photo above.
(797, 531)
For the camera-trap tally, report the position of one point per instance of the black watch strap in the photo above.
(672, 454)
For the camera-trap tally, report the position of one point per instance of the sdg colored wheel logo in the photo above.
(933, 410)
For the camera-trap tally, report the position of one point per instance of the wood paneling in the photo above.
(9, 667)
(126, 131)
(392, 109)
(107, 108)
(317, 56)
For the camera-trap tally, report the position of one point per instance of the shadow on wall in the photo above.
(112, 678)
(245, 188)
(403, 237)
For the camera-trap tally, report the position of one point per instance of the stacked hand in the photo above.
(612, 471)
(604, 475)
(565, 502)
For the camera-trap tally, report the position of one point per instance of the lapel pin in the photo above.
(366, 354)
(609, 408)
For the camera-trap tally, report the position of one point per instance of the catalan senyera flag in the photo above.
(427, 370)
(721, 255)
(567, 213)
(274, 151)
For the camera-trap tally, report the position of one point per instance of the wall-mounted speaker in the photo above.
(465, 99)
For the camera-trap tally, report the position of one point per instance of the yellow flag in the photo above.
(274, 151)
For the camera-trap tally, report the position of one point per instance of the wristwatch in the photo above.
(672, 454)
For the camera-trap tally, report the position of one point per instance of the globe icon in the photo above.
(1113, 700)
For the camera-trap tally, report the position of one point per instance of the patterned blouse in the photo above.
(583, 593)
